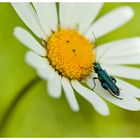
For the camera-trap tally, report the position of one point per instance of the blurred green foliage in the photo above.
(38, 115)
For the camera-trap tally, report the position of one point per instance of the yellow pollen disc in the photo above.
(70, 54)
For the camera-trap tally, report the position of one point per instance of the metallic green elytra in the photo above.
(107, 82)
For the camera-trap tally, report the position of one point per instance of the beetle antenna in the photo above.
(95, 43)
(103, 54)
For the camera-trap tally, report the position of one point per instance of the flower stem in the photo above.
(16, 100)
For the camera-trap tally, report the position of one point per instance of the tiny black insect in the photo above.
(107, 82)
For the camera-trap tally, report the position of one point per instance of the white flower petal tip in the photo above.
(70, 96)
(27, 39)
(110, 22)
(75, 109)
(99, 105)
(129, 12)
(135, 104)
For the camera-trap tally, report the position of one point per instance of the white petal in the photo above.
(35, 60)
(121, 60)
(72, 15)
(45, 72)
(27, 39)
(125, 47)
(128, 101)
(123, 71)
(47, 15)
(110, 22)
(69, 93)
(128, 89)
(84, 19)
(66, 15)
(29, 17)
(54, 85)
(92, 97)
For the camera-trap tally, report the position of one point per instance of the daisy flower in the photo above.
(65, 55)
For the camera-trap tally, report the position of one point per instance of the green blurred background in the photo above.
(38, 115)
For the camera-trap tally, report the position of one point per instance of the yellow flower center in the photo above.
(70, 54)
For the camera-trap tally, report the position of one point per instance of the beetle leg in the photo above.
(94, 78)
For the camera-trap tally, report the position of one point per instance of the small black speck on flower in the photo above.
(73, 50)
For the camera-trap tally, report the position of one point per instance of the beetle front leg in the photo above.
(94, 78)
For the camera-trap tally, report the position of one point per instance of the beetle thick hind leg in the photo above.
(104, 85)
